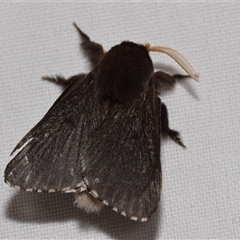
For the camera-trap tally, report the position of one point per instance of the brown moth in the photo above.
(101, 138)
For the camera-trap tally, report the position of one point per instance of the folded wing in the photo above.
(50, 159)
(121, 163)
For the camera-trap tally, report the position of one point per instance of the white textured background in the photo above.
(201, 185)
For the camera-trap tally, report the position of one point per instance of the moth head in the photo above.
(182, 61)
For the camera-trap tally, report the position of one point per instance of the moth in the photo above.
(101, 138)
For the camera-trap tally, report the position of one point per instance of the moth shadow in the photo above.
(40, 207)
(55, 207)
(165, 68)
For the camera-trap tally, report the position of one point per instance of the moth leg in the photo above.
(166, 131)
(93, 51)
(164, 81)
(63, 82)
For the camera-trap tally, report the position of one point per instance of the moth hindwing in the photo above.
(101, 137)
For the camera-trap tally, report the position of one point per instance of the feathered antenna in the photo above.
(182, 61)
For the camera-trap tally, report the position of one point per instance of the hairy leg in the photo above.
(164, 81)
(166, 131)
(93, 51)
(63, 82)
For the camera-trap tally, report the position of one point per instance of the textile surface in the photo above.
(201, 185)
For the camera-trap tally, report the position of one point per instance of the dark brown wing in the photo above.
(121, 164)
(50, 159)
